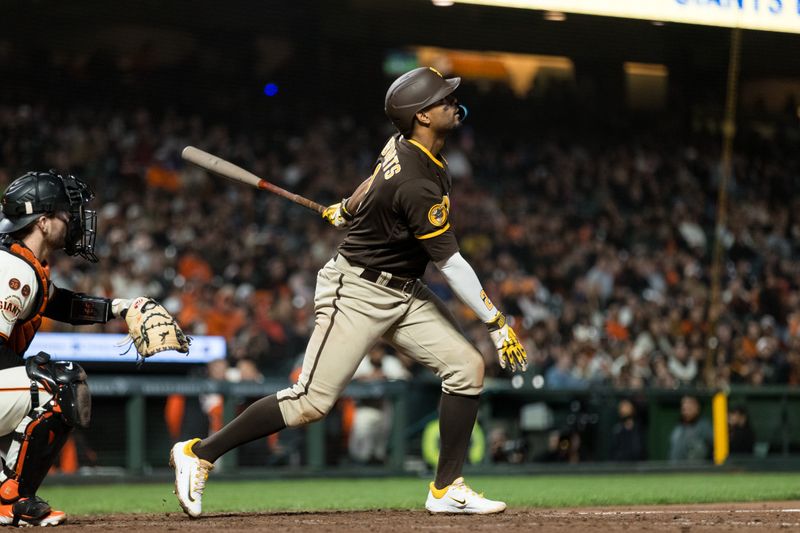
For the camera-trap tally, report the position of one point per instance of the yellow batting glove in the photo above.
(509, 350)
(337, 216)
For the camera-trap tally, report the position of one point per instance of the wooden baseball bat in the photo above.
(226, 169)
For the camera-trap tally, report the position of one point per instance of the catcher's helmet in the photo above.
(414, 91)
(40, 193)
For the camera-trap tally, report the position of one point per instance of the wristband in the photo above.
(497, 322)
(345, 213)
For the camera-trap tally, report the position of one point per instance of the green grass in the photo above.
(409, 493)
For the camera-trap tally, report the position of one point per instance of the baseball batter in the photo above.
(398, 222)
(41, 400)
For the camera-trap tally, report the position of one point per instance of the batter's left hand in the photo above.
(337, 216)
(509, 350)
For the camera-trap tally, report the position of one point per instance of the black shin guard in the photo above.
(457, 416)
(35, 446)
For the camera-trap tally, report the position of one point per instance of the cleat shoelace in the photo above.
(466, 488)
(201, 476)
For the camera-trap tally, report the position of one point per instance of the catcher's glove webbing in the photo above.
(152, 329)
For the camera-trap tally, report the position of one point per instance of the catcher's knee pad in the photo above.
(66, 382)
(35, 444)
(300, 407)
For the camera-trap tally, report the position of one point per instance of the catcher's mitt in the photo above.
(152, 329)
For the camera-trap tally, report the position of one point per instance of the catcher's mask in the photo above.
(414, 91)
(46, 193)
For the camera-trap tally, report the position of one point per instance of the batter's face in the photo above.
(443, 116)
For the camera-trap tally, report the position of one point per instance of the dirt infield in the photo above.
(764, 516)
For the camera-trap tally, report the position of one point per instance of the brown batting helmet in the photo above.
(414, 91)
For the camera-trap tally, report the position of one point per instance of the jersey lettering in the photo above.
(10, 308)
(404, 219)
(391, 146)
(391, 172)
(391, 163)
(486, 301)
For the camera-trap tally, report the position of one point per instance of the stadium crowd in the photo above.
(600, 248)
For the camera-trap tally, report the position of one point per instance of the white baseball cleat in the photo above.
(459, 498)
(191, 474)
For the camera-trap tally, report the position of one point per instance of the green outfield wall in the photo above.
(130, 433)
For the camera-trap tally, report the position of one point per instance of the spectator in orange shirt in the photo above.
(225, 318)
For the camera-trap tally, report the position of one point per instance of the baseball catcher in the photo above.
(398, 221)
(41, 400)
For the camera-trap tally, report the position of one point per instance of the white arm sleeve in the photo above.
(464, 282)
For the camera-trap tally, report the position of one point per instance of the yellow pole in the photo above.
(728, 133)
(719, 415)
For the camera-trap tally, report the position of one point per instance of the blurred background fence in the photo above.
(132, 428)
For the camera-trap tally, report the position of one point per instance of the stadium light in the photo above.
(555, 16)
(442, 3)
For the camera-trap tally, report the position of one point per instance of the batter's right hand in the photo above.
(509, 350)
(337, 216)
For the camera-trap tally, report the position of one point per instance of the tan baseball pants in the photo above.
(351, 315)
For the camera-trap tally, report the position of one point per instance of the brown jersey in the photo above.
(403, 221)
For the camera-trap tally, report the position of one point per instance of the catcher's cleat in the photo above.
(30, 512)
(459, 498)
(191, 474)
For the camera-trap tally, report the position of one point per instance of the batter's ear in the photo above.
(423, 118)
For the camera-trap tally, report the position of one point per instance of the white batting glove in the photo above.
(509, 350)
(119, 306)
(337, 216)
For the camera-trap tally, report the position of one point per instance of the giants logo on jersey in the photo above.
(10, 308)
